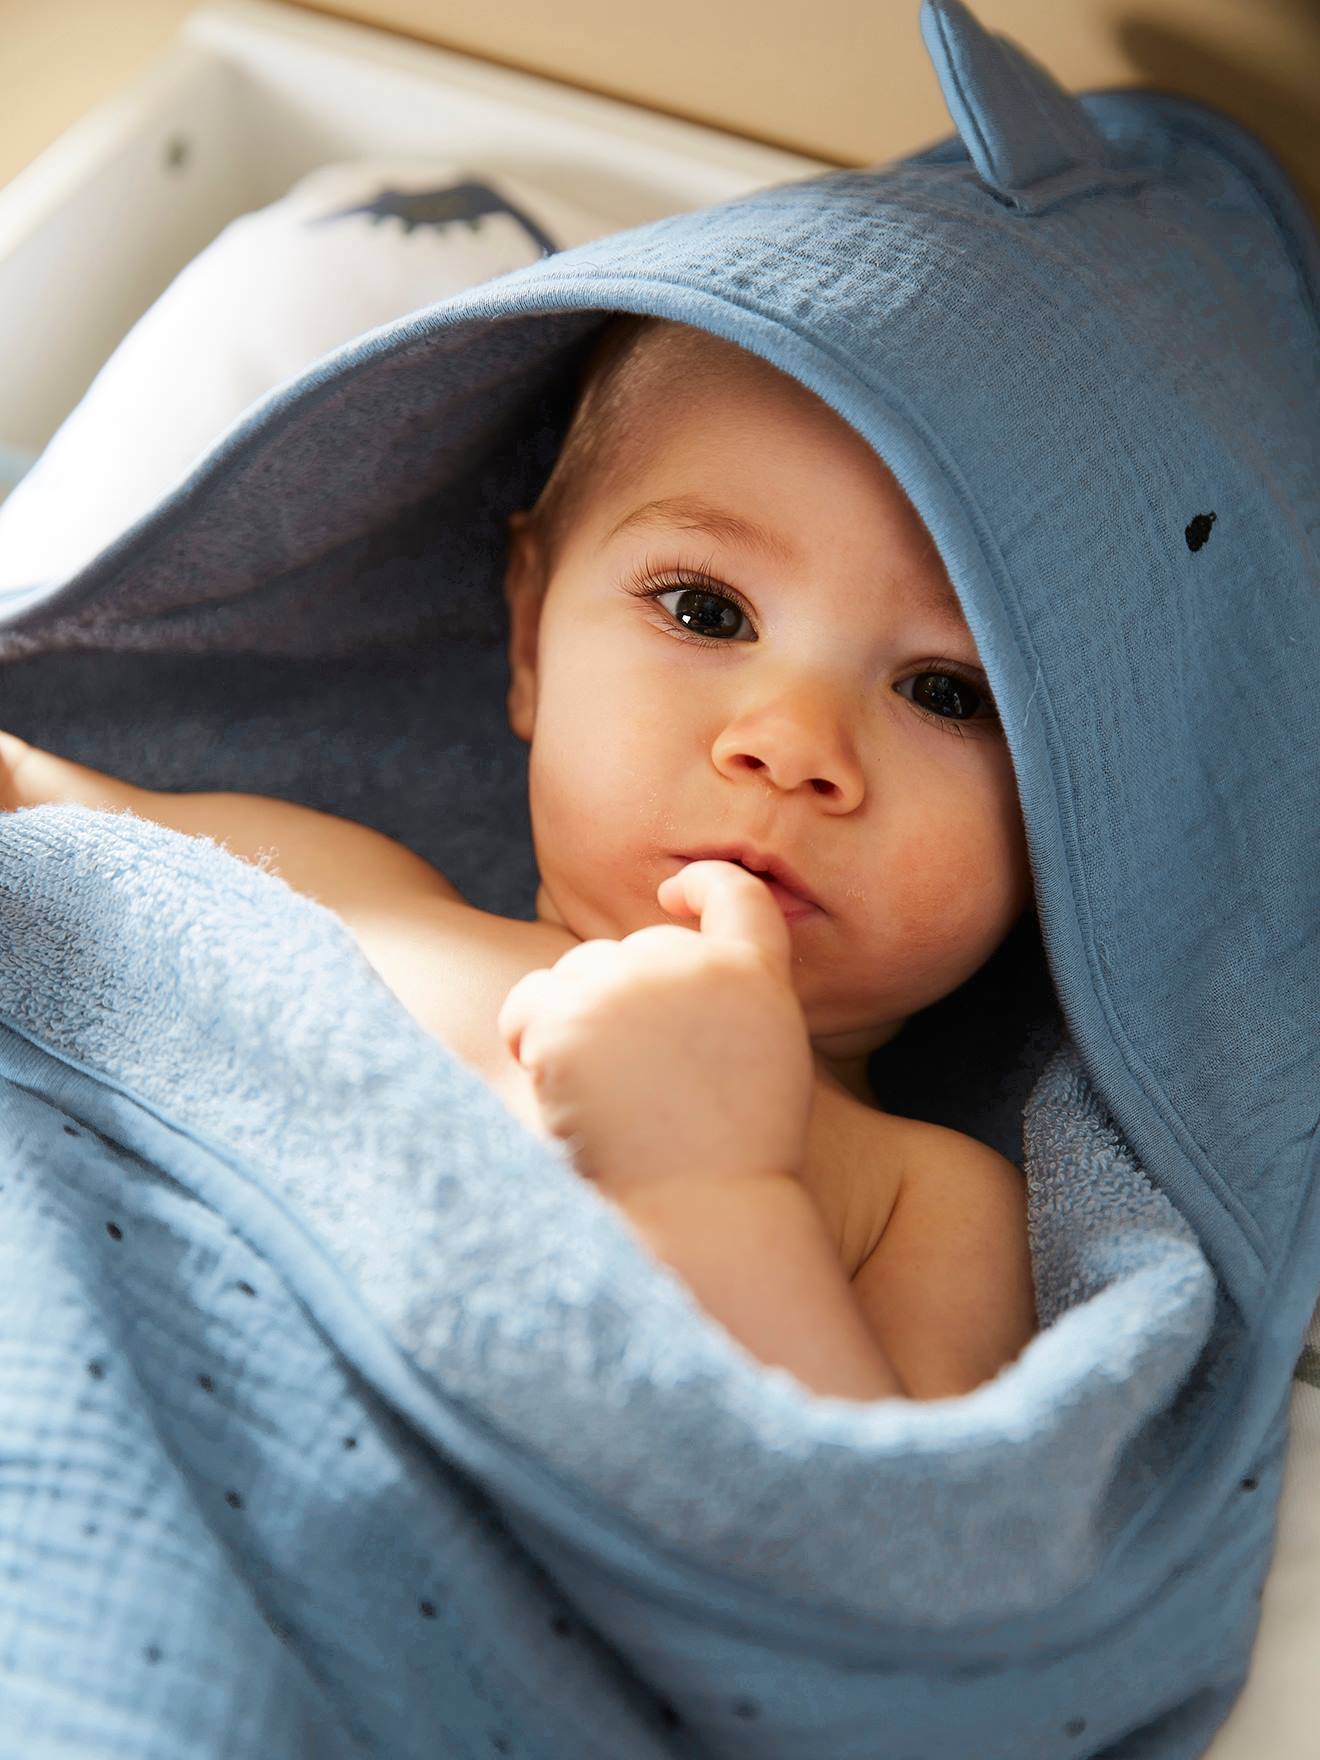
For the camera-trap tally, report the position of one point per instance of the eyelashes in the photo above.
(643, 584)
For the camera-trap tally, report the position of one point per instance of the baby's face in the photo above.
(836, 715)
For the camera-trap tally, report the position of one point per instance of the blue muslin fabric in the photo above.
(340, 1416)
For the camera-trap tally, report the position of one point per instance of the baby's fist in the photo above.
(674, 1052)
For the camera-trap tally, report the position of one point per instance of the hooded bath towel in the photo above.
(340, 1416)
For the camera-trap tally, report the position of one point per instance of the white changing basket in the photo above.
(251, 97)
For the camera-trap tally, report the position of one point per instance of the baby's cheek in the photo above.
(588, 859)
(954, 914)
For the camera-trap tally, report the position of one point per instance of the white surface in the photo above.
(350, 248)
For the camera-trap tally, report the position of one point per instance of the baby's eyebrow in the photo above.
(692, 513)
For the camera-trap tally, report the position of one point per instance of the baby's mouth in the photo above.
(794, 906)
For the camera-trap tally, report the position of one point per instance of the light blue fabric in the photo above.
(340, 1416)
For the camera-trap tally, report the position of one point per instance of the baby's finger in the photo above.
(521, 1006)
(730, 904)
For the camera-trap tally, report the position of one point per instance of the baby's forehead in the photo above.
(685, 386)
(708, 364)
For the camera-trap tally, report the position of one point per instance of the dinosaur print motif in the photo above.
(469, 201)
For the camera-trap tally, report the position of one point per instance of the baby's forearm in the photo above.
(346, 866)
(756, 1254)
(338, 862)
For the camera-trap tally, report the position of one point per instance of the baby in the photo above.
(697, 1034)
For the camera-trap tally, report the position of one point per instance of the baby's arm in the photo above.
(756, 1254)
(948, 1289)
(341, 864)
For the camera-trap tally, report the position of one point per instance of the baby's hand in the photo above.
(674, 1052)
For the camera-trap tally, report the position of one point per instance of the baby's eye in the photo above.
(703, 612)
(949, 696)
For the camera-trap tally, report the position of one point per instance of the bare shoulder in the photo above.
(452, 965)
(948, 1286)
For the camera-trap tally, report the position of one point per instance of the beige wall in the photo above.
(843, 80)
(60, 58)
(850, 80)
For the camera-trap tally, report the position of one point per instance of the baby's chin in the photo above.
(608, 922)
(823, 1034)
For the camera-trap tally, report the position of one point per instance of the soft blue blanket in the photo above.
(340, 1416)
(336, 1401)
